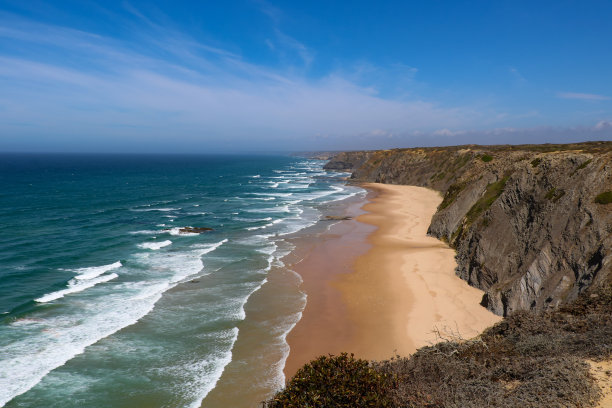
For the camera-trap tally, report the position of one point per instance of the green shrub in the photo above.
(536, 162)
(486, 158)
(554, 194)
(583, 165)
(335, 381)
(604, 198)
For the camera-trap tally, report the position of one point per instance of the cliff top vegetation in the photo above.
(527, 360)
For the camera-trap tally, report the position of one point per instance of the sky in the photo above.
(260, 75)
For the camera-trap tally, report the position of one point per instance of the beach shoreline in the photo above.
(379, 286)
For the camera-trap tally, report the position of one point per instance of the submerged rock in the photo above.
(196, 230)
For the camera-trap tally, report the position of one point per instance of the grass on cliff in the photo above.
(554, 195)
(491, 194)
(527, 360)
(451, 194)
(604, 198)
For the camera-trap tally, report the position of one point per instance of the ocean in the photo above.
(106, 300)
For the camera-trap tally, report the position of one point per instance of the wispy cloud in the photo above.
(164, 90)
(448, 132)
(518, 77)
(173, 88)
(583, 96)
(290, 43)
(282, 43)
(604, 125)
(274, 13)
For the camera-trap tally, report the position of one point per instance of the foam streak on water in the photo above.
(184, 297)
(51, 341)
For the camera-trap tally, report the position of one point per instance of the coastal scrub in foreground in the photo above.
(526, 360)
(335, 381)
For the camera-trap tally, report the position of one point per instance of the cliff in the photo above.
(531, 224)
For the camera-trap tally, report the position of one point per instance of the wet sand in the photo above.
(325, 327)
(379, 286)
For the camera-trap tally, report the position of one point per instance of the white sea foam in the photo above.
(155, 245)
(51, 341)
(265, 225)
(176, 231)
(341, 197)
(316, 195)
(263, 198)
(207, 248)
(75, 286)
(213, 370)
(144, 232)
(241, 219)
(155, 209)
(291, 322)
(258, 227)
(299, 186)
(164, 269)
(268, 250)
(95, 271)
(273, 194)
(255, 239)
(278, 209)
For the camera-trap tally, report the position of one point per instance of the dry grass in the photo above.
(526, 360)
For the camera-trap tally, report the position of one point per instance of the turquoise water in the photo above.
(105, 302)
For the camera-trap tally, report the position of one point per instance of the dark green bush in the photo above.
(486, 158)
(536, 162)
(604, 198)
(335, 381)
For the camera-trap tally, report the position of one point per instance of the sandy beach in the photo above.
(379, 286)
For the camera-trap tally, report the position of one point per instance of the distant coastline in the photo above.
(531, 227)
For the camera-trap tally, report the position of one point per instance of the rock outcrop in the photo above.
(528, 222)
(191, 230)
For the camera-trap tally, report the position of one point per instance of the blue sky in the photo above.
(257, 75)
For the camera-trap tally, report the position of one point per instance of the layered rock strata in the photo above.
(531, 224)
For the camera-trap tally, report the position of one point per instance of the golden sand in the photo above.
(381, 292)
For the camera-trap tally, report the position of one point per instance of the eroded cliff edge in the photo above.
(531, 224)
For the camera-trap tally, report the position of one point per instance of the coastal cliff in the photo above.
(531, 224)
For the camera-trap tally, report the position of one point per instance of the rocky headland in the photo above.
(531, 224)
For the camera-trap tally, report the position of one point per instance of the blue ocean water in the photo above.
(106, 302)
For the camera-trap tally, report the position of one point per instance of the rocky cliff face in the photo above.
(531, 224)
